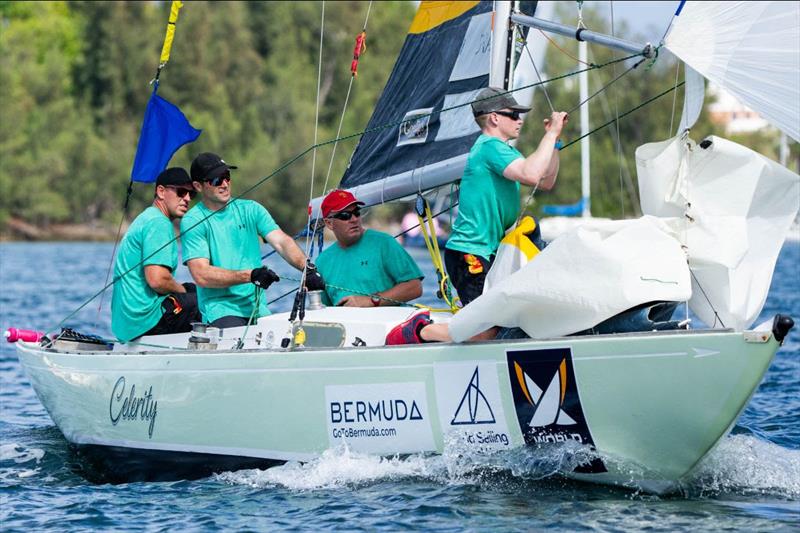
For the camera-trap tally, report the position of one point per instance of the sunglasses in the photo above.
(216, 182)
(513, 115)
(346, 215)
(181, 192)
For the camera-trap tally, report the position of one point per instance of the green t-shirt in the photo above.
(228, 238)
(488, 203)
(135, 307)
(373, 264)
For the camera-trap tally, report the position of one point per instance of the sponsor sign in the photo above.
(384, 418)
(546, 399)
(470, 408)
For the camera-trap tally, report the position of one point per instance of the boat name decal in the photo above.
(132, 407)
(547, 401)
(381, 411)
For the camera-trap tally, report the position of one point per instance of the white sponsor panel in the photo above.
(385, 418)
(473, 58)
(458, 122)
(470, 406)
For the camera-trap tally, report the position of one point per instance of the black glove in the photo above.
(190, 287)
(314, 281)
(263, 277)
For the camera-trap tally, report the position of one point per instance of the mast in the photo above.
(583, 81)
(500, 70)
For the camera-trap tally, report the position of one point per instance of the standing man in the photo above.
(489, 200)
(488, 203)
(221, 247)
(368, 268)
(146, 299)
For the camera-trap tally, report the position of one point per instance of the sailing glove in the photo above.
(314, 281)
(263, 277)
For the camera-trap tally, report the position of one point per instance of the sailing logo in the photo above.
(474, 408)
(546, 400)
(414, 128)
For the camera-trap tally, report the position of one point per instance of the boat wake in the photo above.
(22, 458)
(741, 465)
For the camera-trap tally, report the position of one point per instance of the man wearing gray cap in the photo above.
(146, 299)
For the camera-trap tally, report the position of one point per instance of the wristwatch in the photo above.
(376, 300)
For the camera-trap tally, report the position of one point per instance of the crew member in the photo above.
(221, 247)
(364, 268)
(146, 299)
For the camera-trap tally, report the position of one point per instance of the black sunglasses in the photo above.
(219, 180)
(181, 192)
(513, 115)
(346, 215)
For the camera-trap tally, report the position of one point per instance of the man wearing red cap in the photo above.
(364, 268)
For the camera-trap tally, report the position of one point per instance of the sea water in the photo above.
(750, 482)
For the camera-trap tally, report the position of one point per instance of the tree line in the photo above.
(75, 77)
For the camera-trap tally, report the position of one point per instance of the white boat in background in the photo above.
(643, 407)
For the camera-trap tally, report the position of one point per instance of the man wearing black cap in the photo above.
(220, 240)
(146, 299)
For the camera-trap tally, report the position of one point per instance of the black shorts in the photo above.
(180, 310)
(467, 273)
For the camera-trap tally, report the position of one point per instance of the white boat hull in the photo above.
(651, 404)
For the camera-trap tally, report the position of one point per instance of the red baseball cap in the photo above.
(338, 200)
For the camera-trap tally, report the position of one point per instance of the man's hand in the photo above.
(355, 301)
(263, 277)
(556, 122)
(314, 281)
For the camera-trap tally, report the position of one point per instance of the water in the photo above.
(751, 481)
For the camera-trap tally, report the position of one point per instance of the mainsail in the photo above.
(449, 55)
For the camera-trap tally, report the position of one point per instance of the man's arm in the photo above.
(160, 279)
(541, 167)
(212, 277)
(403, 292)
(287, 248)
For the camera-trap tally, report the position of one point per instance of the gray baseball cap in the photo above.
(484, 103)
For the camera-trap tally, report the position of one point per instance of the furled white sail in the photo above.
(581, 279)
(694, 93)
(752, 49)
(732, 208)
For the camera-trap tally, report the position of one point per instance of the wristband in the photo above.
(559, 144)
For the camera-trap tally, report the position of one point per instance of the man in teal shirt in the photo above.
(146, 299)
(489, 202)
(364, 268)
(221, 247)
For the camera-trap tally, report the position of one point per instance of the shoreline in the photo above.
(17, 230)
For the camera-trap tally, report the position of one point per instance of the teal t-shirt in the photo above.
(373, 264)
(135, 307)
(228, 238)
(488, 203)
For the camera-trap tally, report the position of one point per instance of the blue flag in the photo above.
(164, 130)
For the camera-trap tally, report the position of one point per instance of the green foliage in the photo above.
(75, 77)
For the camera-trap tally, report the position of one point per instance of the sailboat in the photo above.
(646, 406)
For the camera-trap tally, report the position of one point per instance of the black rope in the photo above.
(656, 97)
(606, 86)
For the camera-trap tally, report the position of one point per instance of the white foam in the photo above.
(746, 464)
(336, 467)
(19, 454)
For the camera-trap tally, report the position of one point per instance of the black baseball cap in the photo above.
(208, 166)
(174, 176)
(492, 99)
